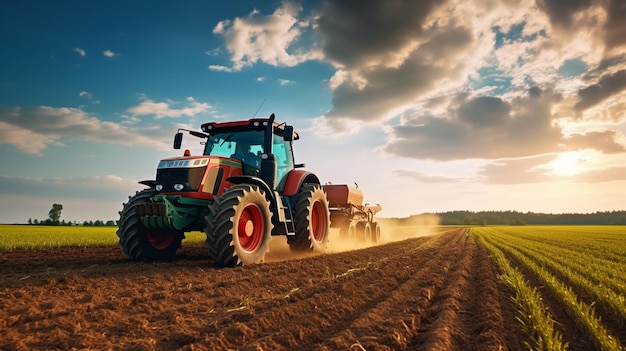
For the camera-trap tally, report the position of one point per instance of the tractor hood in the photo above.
(203, 175)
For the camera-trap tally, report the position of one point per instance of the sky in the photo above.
(429, 106)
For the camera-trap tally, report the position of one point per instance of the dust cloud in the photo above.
(391, 230)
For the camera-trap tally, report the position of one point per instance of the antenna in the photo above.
(257, 110)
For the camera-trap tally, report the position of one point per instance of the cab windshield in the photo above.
(232, 144)
(247, 147)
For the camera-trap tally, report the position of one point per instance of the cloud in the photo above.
(456, 79)
(602, 141)
(259, 38)
(561, 13)
(517, 171)
(107, 186)
(109, 53)
(220, 68)
(422, 177)
(603, 175)
(607, 86)
(480, 127)
(285, 81)
(33, 129)
(163, 109)
(80, 51)
(88, 96)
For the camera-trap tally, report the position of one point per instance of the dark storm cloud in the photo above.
(607, 86)
(483, 127)
(601, 141)
(484, 112)
(561, 13)
(392, 87)
(616, 23)
(356, 31)
(387, 54)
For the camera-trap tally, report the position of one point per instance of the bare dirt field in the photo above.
(437, 292)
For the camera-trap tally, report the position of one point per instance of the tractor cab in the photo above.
(253, 143)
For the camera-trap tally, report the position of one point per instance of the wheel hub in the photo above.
(249, 228)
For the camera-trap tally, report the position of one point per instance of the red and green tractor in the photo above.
(242, 190)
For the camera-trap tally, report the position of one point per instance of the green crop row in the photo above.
(533, 316)
(605, 286)
(30, 237)
(571, 262)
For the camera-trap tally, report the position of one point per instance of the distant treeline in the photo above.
(512, 218)
(96, 223)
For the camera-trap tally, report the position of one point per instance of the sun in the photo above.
(566, 164)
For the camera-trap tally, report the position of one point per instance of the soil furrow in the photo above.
(386, 297)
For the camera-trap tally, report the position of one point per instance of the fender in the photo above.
(148, 183)
(269, 193)
(294, 180)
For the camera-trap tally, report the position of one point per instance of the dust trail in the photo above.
(412, 227)
(391, 230)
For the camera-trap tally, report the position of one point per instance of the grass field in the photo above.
(25, 237)
(581, 266)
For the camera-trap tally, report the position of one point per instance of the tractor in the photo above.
(243, 189)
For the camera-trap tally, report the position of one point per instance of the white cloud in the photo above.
(32, 130)
(80, 51)
(163, 109)
(109, 53)
(220, 68)
(267, 39)
(285, 81)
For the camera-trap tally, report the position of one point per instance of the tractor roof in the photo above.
(250, 124)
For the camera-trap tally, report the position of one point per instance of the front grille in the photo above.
(189, 177)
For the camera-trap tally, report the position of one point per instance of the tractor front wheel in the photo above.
(311, 220)
(239, 226)
(141, 243)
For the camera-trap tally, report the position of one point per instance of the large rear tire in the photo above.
(311, 220)
(239, 226)
(375, 232)
(141, 243)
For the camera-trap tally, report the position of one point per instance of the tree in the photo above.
(55, 213)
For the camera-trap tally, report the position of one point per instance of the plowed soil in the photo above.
(437, 292)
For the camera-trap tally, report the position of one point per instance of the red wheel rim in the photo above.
(160, 239)
(251, 227)
(318, 222)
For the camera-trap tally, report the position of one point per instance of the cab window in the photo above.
(284, 157)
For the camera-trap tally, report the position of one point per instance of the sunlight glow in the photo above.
(566, 164)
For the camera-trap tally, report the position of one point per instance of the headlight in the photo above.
(159, 187)
(179, 187)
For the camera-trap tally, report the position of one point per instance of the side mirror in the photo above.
(288, 133)
(178, 140)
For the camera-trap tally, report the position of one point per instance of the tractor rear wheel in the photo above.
(359, 229)
(352, 236)
(239, 226)
(367, 233)
(375, 232)
(141, 243)
(311, 220)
